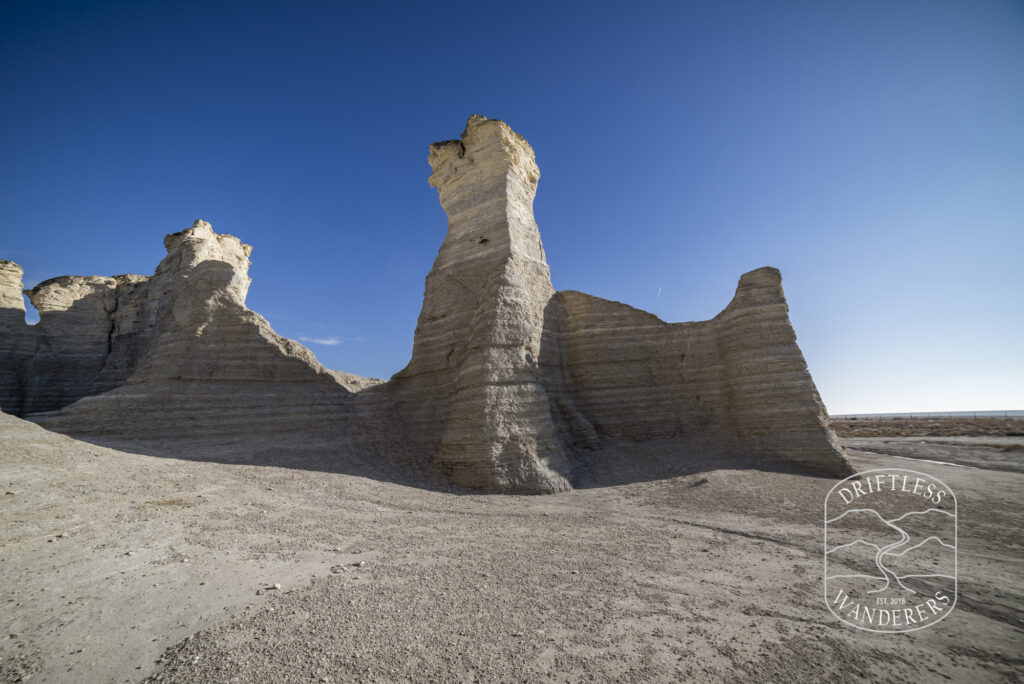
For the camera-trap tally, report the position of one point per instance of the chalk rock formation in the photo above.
(12, 306)
(508, 378)
(17, 339)
(79, 328)
(739, 377)
(475, 389)
(509, 383)
(177, 353)
(86, 341)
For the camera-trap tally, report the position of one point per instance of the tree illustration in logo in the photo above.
(890, 550)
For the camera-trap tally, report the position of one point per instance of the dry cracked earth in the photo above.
(676, 566)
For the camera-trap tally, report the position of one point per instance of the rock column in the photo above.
(474, 384)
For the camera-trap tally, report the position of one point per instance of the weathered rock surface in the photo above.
(84, 338)
(17, 339)
(174, 354)
(508, 378)
(739, 377)
(475, 390)
(510, 385)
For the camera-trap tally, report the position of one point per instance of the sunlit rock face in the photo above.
(739, 378)
(509, 379)
(174, 354)
(484, 356)
(509, 386)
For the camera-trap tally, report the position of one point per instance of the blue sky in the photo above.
(873, 151)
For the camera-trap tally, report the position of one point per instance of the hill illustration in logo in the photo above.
(863, 543)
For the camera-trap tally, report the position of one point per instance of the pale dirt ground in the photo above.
(677, 570)
(930, 427)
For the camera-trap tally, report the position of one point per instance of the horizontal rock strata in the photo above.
(176, 354)
(474, 391)
(87, 339)
(739, 376)
(511, 386)
(17, 339)
(508, 379)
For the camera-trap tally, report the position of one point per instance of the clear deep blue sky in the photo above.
(873, 151)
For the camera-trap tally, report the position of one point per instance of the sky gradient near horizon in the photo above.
(872, 151)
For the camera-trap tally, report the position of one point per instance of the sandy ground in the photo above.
(123, 567)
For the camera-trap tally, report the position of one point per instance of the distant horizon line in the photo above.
(1004, 413)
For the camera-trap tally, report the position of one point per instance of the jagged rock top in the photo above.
(214, 244)
(72, 279)
(198, 244)
(10, 286)
(486, 146)
(509, 383)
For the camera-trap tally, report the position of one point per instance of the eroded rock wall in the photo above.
(82, 339)
(509, 382)
(739, 378)
(474, 392)
(87, 341)
(17, 339)
(176, 354)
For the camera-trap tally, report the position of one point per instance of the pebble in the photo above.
(130, 553)
(359, 564)
(277, 586)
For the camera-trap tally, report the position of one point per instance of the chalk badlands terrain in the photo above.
(119, 566)
(511, 385)
(221, 507)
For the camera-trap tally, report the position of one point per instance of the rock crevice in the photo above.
(149, 357)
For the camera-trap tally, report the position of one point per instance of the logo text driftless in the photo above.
(893, 483)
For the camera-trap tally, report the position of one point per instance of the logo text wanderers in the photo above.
(890, 550)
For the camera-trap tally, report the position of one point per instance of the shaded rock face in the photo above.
(86, 338)
(508, 379)
(509, 384)
(739, 377)
(70, 353)
(475, 389)
(17, 339)
(177, 353)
